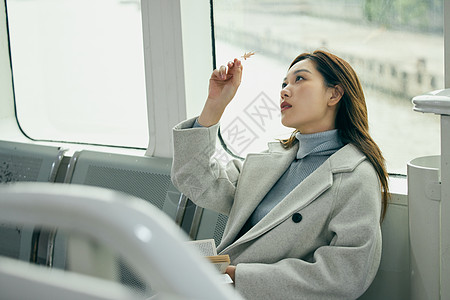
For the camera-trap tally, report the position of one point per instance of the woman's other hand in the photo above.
(231, 271)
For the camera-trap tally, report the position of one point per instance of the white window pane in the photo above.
(396, 49)
(79, 70)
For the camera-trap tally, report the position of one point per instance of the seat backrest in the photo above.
(144, 177)
(392, 281)
(26, 162)
(144, 236)
(207, 224)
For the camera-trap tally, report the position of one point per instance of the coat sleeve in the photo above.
(345, 267)
(197, 174)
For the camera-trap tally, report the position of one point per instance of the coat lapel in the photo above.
(261, 172)
(302, 195)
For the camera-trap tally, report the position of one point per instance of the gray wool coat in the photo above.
(322, 241)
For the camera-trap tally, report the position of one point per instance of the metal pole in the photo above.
(445, 168)
(445, 207)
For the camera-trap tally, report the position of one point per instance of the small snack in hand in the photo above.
(247, 55)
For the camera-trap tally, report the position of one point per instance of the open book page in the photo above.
(226, 278)
(207, 248)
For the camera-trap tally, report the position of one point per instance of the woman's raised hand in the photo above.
(223, 85)
(225, 81)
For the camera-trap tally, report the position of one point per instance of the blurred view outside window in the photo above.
(78, 68)
(395, 46)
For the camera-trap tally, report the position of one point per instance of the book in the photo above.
(207, 248)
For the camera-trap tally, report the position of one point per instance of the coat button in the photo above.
(297, 217)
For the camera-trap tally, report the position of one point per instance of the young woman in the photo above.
(303, 216)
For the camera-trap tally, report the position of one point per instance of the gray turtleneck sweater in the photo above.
(313, 150)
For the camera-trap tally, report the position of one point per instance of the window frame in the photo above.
(172, 67)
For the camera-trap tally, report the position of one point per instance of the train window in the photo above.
(78, 68)
(396, 47)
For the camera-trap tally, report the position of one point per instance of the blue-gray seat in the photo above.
(144, 177)
(392, 281)
(207, 224)
(26, 162)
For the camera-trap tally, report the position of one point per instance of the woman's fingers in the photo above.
(226, 72)
(223, 72)
(236, 67)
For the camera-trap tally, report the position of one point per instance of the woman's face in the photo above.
(307, 104)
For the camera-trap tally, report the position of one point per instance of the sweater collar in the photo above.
(320, 143)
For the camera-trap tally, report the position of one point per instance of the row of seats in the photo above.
(147, 178)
